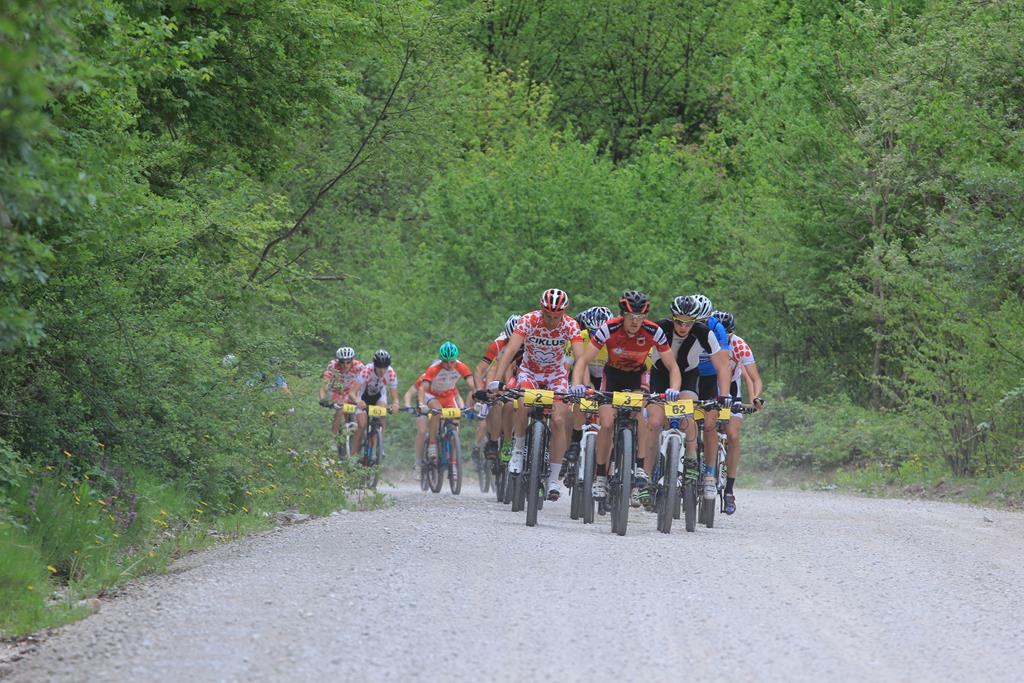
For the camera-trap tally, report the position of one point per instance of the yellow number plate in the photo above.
(679, 408)
(348, 407)
(588, 404)
(627, 399)
(698, 414)
(377, 411)
(538, 397)
(724, 414)
(451, 412)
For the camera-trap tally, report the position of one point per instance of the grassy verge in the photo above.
(1005, 490)
(66, 535)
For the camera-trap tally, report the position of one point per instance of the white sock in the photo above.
(556, 469)
(518, 442)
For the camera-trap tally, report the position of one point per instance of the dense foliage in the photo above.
(180, 180)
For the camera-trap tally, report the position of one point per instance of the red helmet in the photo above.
(554, 300)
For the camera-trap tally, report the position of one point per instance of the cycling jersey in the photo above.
(544, 348)
(739, 355)
(596, 365)
(626, 352)
(341, 380)
(494, 349)
(370, 383)
(688, 349)
(443, 380)
(705, 366)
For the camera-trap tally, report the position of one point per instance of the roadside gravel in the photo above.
(796, 586)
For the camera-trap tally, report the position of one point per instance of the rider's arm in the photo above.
(422, 394)
(720, 361)
(480, 372)
(583, 354)
(675, 378)
(753, 377)
(511, 349)
(410, 392)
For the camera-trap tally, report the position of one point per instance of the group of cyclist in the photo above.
(693, 353)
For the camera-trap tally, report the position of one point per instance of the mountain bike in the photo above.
(668, 469)
(449, 452)
(343, 439)
(579, 475)
(706, 514)
(627, 405)
(373, 446)
(723, 447)
(528, 485)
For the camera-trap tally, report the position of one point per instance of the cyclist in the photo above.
(438, 389)
(741, 359)
(421, 420)
(590, 321)
(340, 378)
(689, 339)
(494, 415)
(629, 338)
(371, 388)
(542, 335)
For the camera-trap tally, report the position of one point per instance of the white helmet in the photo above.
(705, 308)
(510, 324)
(345, 353)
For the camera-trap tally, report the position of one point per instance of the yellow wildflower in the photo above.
(51, 569)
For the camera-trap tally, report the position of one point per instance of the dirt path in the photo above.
(796, 586)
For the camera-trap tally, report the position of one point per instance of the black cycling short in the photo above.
(659, 381)
(595, 381)
(621, 380)
(370, 399)
(707, 388)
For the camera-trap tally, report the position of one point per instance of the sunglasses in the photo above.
(684, 321)
(633, 316)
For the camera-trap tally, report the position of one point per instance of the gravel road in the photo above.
(796, 586)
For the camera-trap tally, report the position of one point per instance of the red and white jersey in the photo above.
(342, 379)
(442, 380)
(371, 383)
(419, 380)
(629, 353)
(739, 355)
(544, 348)
(494, 349)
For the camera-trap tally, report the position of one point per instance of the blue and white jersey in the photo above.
(704, 366)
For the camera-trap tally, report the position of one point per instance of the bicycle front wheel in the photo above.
(374, 455)
(589, 464)
(535, 455)
(454, 462)
(669, 489)
(624, 475)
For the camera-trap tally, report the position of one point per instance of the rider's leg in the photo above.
(421, 435)
(689, 430)
(357, 438)
(432, 426)
(655, 423)
(732, 462)
(336, 425)
(604, 437)
(560, 420)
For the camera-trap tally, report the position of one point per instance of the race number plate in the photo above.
(449, 413)
(538, 397)
(588, 404)
(627, 399)
(679, 408)
(724, 414)
(377, 411)
(348, 407)
(698, 414)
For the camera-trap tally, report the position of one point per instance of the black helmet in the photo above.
(727, 319)
(381, 359)
(633, 301)
(686, 305)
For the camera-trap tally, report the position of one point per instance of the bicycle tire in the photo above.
(481, 477)
(690, 505)
(708, 515)
(434, 472)
(625, 476)
(588, 461)
(374, 457)
(669, 489)
(535, 456)
(455, 462)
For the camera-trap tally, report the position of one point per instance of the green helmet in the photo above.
(449, 351)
